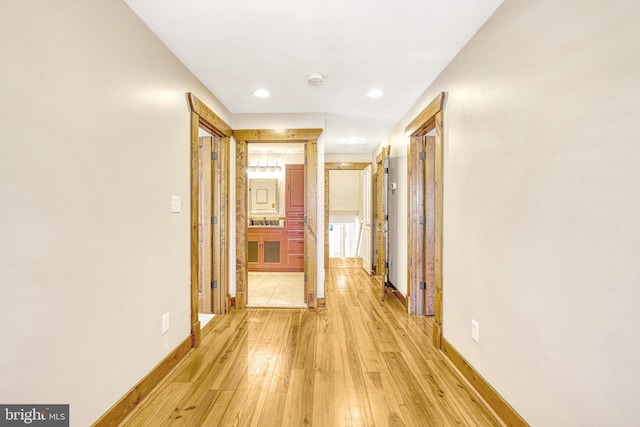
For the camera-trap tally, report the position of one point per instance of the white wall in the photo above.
(344, 191)
(278, 121)
(347, 157)
(541, 207)
(95, 127)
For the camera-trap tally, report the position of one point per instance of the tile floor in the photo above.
(276, 290)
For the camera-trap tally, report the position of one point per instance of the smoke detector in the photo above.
(315, 79)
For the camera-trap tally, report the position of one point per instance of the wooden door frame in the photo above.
(427, 120)
(381, 256)
(421, 224)
(308, 137)
(203, 116)
(205, 296)
(334, 166)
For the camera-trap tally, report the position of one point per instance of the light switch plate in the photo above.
(175, 204)
(165, 323)
(475, 331)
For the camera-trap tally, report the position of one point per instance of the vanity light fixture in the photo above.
(375, 93)
(257, 167)
(264, 168)
(261, 93)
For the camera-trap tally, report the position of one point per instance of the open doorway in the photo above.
(206, 143)
(275, 230)
(342, 236)
(307, 213)
(209, 207)
(345, 191)
(348, 223)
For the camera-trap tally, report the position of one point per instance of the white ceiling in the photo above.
(237, 46)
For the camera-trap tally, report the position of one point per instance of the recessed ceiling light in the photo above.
(375, 93)
(261, 93)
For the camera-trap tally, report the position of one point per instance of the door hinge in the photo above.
(305, 219)
(386, 170)
(214, 220)
(214, 284)
(386, 217)
(386, 264)
(423, 285)
(423, 155)
(305, 277)
(214, 155)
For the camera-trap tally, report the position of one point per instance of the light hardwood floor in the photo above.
(360, 362)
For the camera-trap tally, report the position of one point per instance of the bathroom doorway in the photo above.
(275, 230)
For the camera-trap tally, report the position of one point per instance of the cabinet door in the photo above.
(266, 249)
(271, 252)
(254, 252)
(295, 187)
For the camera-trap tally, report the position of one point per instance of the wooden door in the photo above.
(311, 226)
(416, 225)
(421, 200)
(218, 160)
(382, 218)
(429, 205)
(205, 299)
(211, 238)
(365, 220)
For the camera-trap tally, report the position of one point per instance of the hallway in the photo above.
(357, 363)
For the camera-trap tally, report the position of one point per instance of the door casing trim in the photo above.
(308, 137)
(428, 119)
(201, 115)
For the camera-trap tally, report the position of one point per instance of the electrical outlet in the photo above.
(165, 323)
(175, 204)
(475, 330)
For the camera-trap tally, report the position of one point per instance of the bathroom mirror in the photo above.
(263, 196)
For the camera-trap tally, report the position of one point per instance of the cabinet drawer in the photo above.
(256, 233)
(294, 214)
(295, 260)
(296, 232)
(295, 245)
